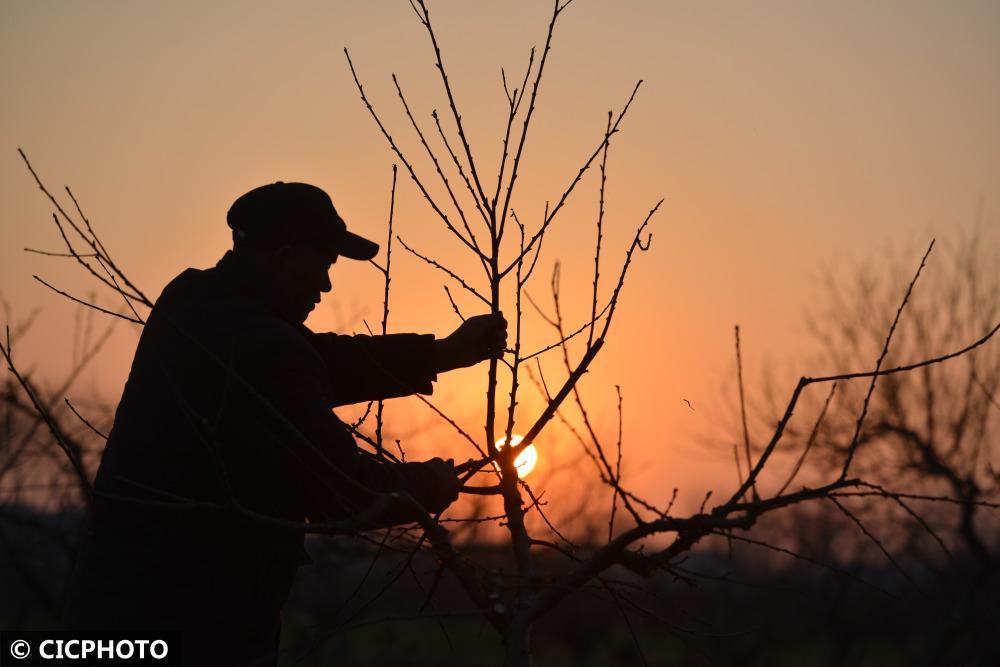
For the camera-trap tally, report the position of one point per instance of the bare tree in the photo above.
(541, 565)
(48, 449)
(933, 431)
(525, 599)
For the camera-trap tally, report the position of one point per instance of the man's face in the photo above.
(303, 276)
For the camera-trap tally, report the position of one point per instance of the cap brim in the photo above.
(353, 246)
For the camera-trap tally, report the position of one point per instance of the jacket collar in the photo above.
(249, 282)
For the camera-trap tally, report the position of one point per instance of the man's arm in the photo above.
(366, 368)
(370, 368)
(309, 450)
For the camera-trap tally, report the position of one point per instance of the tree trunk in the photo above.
(517, 644)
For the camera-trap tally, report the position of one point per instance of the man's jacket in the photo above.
(227, 403)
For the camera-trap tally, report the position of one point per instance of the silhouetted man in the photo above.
(224, 436)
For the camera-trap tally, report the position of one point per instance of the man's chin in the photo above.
(299, 314)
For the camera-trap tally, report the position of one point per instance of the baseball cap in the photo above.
(282, 213)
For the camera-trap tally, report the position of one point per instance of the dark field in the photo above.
(714, 609)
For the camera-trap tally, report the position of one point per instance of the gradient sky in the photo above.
(787, 137)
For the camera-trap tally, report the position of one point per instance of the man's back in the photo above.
(182, 435)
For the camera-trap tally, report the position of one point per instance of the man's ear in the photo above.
(284, 258)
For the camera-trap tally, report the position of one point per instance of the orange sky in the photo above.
(785, 136)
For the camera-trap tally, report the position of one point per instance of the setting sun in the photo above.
(526, 460)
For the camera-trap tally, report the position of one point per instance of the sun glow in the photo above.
(526, 460)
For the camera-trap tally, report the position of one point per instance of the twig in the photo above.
(600, 230)
(92, 241)
(524, 128)
(618, 468)
(573, 183)
(454, 306)
(743, 408)
(71, 450)
(426, 20)
(878, 364)
(877, 543)
(402, 158)
(88, 304)
(84, 420)
(385, 299)
(451, 274)
(441, 174)
(809, 441)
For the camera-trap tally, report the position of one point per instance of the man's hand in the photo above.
(478, 338)
(448, 483)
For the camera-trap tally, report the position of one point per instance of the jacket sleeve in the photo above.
(314, 457)
(368, 368)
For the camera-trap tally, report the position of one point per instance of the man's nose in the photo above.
(325, 286)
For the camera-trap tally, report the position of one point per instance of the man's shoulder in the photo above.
(205, 300)
(195, 286)
(206, 295)
(206, 309)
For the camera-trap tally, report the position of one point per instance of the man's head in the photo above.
(292, 234)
